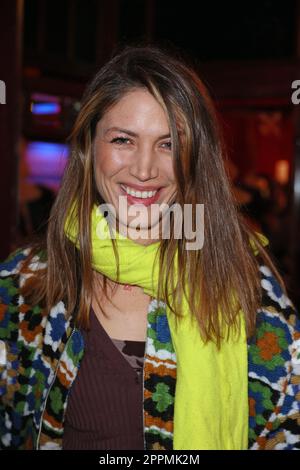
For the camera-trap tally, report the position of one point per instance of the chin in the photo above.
(142, 226)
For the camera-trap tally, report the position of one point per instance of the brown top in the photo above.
(105, 405)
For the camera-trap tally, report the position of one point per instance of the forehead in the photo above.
(138, 107)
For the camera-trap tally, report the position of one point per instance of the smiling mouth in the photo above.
(146, 198)
(139, 194)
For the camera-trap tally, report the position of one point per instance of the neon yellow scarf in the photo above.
(211, 398)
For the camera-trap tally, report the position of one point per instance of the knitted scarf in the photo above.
(211, 398)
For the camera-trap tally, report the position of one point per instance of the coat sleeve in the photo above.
(274, 371)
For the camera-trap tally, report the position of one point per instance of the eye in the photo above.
(167, 145)
(120, 141)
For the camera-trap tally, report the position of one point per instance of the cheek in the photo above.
(169, 171)
(170, 177)
(107, 162)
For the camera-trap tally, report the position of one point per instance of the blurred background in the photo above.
(247, 53)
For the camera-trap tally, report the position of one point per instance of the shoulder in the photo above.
(276, 343)
(13, 275)
(9, 289)
(11, 266)
(275, 302)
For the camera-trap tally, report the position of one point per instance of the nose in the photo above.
(144, 165)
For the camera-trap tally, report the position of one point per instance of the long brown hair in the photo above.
(221, 277)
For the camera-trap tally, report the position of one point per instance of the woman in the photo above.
(179, 346)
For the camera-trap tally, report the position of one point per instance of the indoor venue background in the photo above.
(248, 54)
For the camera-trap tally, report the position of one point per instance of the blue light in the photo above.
(45, 108)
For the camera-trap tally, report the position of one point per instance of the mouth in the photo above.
(145, 197)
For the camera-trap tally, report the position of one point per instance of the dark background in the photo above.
(248, 54)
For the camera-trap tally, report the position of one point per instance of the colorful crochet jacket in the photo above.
(41, 351)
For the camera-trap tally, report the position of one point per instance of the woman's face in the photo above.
(133, 159)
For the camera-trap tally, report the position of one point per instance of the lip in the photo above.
(138, 200)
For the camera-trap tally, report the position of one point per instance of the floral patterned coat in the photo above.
(41, 351)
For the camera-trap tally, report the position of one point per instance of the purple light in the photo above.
(46, 160)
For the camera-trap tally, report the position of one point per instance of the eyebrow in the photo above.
(133, 134)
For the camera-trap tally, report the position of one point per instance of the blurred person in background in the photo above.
(35, 202)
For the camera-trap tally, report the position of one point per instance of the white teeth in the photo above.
(139, 194)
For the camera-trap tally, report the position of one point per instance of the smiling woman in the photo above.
(133, 158)
(111, 341)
